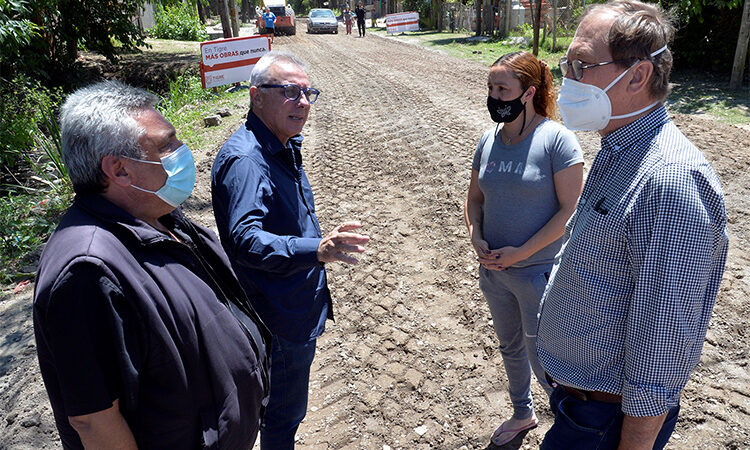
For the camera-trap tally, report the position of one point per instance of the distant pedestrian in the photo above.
(526, 178)
(348, 18)
(360, 11)
(268, 19)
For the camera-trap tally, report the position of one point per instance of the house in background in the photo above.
(145, 19)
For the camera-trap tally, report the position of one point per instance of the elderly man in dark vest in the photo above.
(145, 337)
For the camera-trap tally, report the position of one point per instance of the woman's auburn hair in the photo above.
(531, 71)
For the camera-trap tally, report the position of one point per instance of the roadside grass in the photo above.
(187, 103)
(484, 50)
(693, 92)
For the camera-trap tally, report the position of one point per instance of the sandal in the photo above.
(502, 436)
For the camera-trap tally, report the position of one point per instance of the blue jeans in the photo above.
(513, 296)
(290, 377)
(593, 425)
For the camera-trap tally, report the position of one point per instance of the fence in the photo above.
(457, 16)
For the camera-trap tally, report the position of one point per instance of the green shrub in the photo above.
(184, 91)
(25, 105)
(16, 31)
(178, 22)
(27, 219)
(41, 38)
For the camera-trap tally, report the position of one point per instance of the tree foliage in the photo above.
(709, 43)
(178, 21)
(706, 33)
(423, 8)
(16, 31)
(689, 10)
(42, 38)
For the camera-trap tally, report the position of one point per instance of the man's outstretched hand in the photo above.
(336, 245)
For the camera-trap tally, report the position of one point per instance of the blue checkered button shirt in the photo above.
(629, 299)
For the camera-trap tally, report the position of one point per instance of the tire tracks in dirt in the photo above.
(411, 360)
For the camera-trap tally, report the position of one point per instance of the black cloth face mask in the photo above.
(502, 111)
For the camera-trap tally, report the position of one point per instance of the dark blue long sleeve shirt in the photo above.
(266, 220)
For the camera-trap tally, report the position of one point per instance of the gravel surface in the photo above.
(411, 361)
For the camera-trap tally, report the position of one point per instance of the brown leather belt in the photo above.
(584, 396)
(596, 396)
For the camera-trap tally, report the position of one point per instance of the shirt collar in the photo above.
(266, 138)
(106, 211)
(633, 133)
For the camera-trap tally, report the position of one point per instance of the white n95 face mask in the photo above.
(585, 107)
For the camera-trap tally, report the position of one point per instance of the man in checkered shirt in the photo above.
(625, 313)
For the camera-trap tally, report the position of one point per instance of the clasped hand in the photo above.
(498, 259)
(337, 244)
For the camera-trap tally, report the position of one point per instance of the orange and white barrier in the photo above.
(400, 22)
(227, 61)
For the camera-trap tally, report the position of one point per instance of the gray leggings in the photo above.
(513, 296)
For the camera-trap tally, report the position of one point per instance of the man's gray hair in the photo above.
(260, 74)
(97, 121)
(638, 30)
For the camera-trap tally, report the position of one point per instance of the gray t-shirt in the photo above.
(518, 185)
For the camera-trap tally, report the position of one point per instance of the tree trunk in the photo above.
(233, 18)
(226, 26)
(508, 12)
(741, 52)
(537, 19)
(70, 32)
(488, 17)
(437, 14)
(479, 17)
(214, 6)
(201, 16)
(245, 12)
(554, 25)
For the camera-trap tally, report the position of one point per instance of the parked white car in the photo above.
(322, 20)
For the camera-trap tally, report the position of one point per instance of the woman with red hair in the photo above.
(526, 178)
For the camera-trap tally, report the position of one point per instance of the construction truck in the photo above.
(285, 22)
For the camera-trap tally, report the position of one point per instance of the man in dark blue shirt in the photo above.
(265, 215)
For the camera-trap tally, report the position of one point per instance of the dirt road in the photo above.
(411, 361)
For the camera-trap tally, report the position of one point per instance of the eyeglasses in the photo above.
(293, 91)
(577, 66)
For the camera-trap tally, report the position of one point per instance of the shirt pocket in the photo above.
(599, 234)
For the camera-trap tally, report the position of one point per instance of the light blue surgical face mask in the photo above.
(180, 168)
